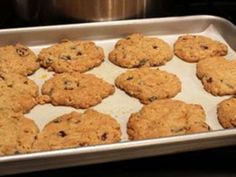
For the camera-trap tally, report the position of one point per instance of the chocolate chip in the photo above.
(22, 51)
(66, 57)
(61, 133)
(153, 98)
(104, 137)
(204, 47)
(154, 47)
(26, 82)
(129, 78)
(79, 53)
(209, 80)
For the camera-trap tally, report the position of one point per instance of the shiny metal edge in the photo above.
(121, 145)
(119, 22)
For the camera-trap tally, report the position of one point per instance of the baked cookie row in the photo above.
(21, 135)
(134, 51)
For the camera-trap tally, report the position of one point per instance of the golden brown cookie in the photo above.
(193, 48)
(227, 113)
(138, 50)
(17, 93)
(218, 75)
(77, 130)
(76, 89)
(18, 59)
(70, 56)
(148, 84)
(166, 118)
(17, 133)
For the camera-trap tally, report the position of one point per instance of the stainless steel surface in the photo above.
(84, 10)
(36, 37)
(101, 10)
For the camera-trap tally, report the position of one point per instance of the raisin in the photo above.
(26, 131)
(73, 47)
(204, 47)
(61, 133)
(22, 52)
(79, 53)
(153, 98)
(2, 77)
(104, 137)
(17, 152)
(82, 144)
(10, 85)
(209, 80)
(129, 78)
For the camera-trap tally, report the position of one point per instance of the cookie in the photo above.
(218, 75)
(226, 111)
(166, 118)
(17, 93)
(17, 133)
(18, 59)
(138, 50)
(77, 130)
(148, 84)
(71, 56)
(193, 48)
(76, 90)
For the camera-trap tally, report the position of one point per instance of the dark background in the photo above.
(213, 162)
(163, 8)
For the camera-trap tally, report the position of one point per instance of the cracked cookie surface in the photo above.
(226, 111)
(138, 50)
(166, 118)
(218, 75)
(193, 48)
(18, 59)
(148, 84)
(17, 133)
(76, 90)
(71, 56)
(77, 130)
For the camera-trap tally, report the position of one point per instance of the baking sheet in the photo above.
(120, 105)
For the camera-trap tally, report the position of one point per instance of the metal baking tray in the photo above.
(120, 106)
